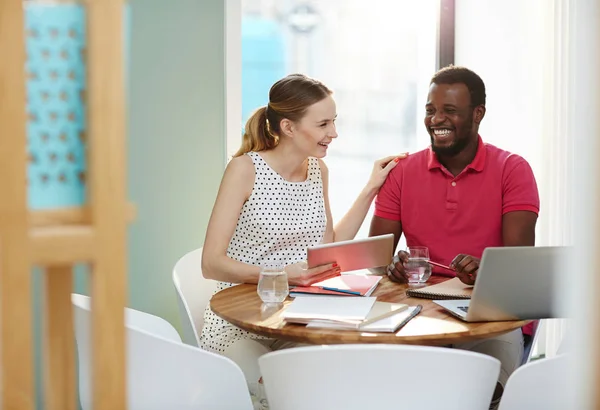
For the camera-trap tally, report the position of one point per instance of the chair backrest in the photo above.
(142, 320)
(353, 377)
(541, 384)
(166, 374)
(82, 310)
(529, 348)
(193, 294)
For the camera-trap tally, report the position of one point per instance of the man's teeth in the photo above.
(323, 144)
(442, 133)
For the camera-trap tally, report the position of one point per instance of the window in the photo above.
(377, 56)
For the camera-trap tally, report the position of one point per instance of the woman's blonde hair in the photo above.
(289, 98)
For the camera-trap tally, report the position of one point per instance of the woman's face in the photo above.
(315, 131)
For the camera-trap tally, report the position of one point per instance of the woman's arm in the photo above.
(236, 187)
(351, 222)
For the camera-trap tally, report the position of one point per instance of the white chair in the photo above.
(164, 373)
(142, 320)
(529, 348)
(541, 384)
(193, 294)
(353, 377)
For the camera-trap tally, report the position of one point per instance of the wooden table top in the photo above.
(241, 306)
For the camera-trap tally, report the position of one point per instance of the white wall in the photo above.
(500, 41)
(518, 48)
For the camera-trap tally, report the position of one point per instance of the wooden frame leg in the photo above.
(108, 334)
(15, 271)
(16, 326)
(59, 352)
(108, 198)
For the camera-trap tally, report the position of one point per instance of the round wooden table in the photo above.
(241, 306)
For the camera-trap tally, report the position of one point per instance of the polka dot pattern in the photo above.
(279, 221)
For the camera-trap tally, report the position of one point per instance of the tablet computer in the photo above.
(354, 254)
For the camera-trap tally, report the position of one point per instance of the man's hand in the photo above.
(395, 270)
(466, 267)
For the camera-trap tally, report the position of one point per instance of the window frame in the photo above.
(446, 33)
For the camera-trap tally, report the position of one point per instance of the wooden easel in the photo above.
(56, 240)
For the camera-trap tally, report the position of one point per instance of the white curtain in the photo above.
(556, 220)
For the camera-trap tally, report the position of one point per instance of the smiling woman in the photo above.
(289, 100)
(273, 202)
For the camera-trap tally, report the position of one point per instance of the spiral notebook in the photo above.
(450, 289)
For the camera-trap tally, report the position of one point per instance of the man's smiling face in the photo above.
(449, 118)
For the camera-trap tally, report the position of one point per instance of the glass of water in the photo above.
(272, 284)
(418, 268)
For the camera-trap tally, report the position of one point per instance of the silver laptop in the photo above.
(355, 254)
(513, 283)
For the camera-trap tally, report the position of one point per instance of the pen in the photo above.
(383, 316)
(351, 292)
(440, 265)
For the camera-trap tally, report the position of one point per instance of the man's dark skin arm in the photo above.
(518, 229)
(382, 226)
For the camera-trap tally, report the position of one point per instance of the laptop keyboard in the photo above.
(464, 308)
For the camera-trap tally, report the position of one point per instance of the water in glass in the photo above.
(418, 268)
(272, 285)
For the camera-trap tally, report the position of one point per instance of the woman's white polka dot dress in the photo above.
(276, 225)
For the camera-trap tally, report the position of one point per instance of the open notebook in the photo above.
(450, 289)
(383, 317)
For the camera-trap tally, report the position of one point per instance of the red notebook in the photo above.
(342, 285)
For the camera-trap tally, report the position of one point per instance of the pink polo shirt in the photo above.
(463, 214)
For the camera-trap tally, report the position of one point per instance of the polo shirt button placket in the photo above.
(452, 197)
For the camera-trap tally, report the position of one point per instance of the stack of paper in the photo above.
(384, 317)
(352, 313)
(350, 309)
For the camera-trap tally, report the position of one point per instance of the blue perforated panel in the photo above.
(55, 40)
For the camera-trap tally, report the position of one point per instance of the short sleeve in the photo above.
(520, 192)
(387, 203)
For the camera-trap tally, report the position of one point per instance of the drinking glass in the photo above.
(272, 284)
(418, 268)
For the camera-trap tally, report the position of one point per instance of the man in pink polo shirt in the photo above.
(459, 196)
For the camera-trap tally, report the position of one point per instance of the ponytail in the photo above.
(257, 136)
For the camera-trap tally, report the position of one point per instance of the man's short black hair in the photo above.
(455, 75)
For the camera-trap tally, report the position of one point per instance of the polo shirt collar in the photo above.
(476, 165)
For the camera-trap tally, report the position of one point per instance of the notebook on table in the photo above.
(450, 289)
(341, 285)
(304, 310)
(383, 317)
